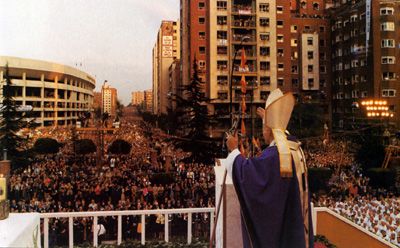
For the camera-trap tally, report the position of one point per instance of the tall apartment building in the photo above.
(97, 98)
(137, 97)
(194, 30)
(148, 101)
(365, 58)
(109, 99)
(286, 46)
(165, 51)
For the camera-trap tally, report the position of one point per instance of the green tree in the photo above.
(119, 110)
(85, 146)
(371, 152)
(11, 123)
(46, 146)
(307, 120)
(120, 146)
(194, 120)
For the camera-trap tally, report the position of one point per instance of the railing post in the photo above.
(189, 228)
(143, 237)
(119, 237)
(166, 228)
(211, 222)
(314, 218)
(71, 231)
(95, 231)
(46, 232)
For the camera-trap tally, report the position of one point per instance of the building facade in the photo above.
(58, 94)
(194, 30)
(137, 97)
(165, 51)
(365, 59)
(109, 99)
(148, 101)
(286, 45)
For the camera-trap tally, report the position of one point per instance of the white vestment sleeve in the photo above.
(230, 160)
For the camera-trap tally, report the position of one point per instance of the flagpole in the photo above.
(244, 38)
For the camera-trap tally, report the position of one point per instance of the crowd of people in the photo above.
(379, 215)
(156, 175)
(152, 176)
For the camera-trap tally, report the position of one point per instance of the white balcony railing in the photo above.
(119, 214)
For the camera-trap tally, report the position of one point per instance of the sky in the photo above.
(109, 39)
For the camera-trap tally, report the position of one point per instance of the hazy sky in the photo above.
(113, 39)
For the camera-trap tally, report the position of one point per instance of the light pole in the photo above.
(244, 38)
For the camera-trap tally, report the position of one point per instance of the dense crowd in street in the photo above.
(153, 176)
(156, 175)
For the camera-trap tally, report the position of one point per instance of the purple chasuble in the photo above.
(270, 205)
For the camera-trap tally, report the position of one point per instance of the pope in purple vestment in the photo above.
(273, 198)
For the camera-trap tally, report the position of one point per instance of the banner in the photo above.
(367, 25)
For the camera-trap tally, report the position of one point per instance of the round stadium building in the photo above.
(58, 94)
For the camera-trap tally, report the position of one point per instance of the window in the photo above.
(310, 68)
(387, 43)
(295, 82)
(293, 28)
(387, 26)
(388, 93)
(311, 82)
(281, 81)
(279, 24)
(279, 38)
(307, 28)
(222, 65)
(279, 9)
(202, 20)
(321, 43)
(295, 69)
(322, 69)
(264, 36)
(310, 41)
(222, 95)
(264, 51)
(310, 54)
(353, 18)
(293, 42)
(222, 20)
(354, 63)
(265, 80)
(222, 50)
(265, 66)
(322, 83)
(388, 60)
(202, 35)
(202, 50)
(221, 5)
(280, 67)
(280, 52)
(264, 22)
(388, 75)
(387, 11)
(222, 35)
(202, 64)
(222, 80)
(315, 6)
(264, 7)
(201, 5)
(322, 29)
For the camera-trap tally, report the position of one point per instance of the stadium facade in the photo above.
(58, 94)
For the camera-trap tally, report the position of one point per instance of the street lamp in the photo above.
(244, 38)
